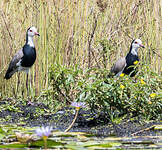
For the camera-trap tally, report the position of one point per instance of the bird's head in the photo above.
(137, 43)
(32, 31)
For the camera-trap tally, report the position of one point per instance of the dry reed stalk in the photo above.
(65, 26)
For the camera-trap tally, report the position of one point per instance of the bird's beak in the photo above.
(141, 45)
(36, 33)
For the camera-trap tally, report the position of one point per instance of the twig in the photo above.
(3, 17)
(90, 41)
(156, 53)
(149, 128)
(2, 14)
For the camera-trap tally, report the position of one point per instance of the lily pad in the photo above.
(105, 145)
(68, 134)
(14, 145)
(50, 143)
(158, 127)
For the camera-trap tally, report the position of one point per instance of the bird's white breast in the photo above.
(20, 68)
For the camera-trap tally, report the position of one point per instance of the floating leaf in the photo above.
(68, 134)
(1, 136)
(14, 145)
(105, 145)
(113, 138)
(2, 130)
(50, 143)
(158, 127)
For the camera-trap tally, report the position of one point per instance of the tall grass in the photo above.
(91, 33)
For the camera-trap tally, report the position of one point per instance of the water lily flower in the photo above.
(152, 95)
(122, 75)
(78, 105)
(23, 138)
(122, 86)
(135, 62)
(44, 132)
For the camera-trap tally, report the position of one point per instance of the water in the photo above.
(13, 137)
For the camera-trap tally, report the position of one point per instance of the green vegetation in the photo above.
(114, 96)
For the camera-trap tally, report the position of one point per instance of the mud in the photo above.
(37, 114)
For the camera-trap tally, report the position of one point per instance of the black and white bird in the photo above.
(25, 57)
(126, 64)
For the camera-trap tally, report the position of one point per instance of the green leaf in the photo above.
(14, 145)
(2, 136)
(1, 130)
(158, 127)
(105, 145)
(50, 143)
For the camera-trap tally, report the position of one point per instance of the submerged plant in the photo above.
(77, 106)
(44, 133)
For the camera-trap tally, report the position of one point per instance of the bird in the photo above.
(25, 57)
(126, 64)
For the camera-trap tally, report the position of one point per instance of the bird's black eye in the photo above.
(135, 42)
(30, 30)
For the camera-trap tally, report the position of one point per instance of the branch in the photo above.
(90, 40)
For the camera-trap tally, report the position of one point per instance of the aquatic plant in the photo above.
(44, 133)
(24, 138)
(78, 106)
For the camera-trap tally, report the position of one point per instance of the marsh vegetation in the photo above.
(79, 42)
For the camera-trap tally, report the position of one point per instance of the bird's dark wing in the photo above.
(118, 66)
(12, 66)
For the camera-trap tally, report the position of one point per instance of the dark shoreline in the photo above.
(92, 123)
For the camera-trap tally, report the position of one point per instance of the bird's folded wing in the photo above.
(119, 65)
(16, 58)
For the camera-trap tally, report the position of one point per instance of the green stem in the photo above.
(45, 142)
(76, 115)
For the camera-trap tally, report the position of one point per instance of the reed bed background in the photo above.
(88, 33)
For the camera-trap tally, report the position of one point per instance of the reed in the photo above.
(73, 32)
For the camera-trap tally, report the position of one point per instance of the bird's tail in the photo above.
(9, 74)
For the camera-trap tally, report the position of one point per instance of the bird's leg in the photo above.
(18, 82)
(28, 89)
(27, 85)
